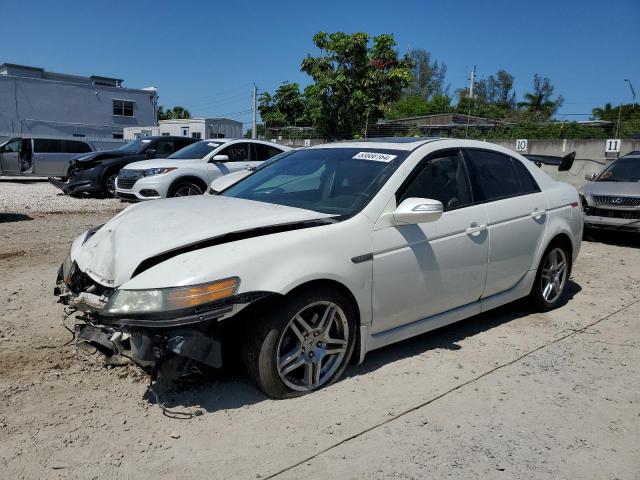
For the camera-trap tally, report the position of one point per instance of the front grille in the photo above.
(128, 178)
(603, 212)
(616, 201)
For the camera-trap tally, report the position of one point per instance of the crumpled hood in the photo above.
(144, 230)
(611, 188)
(163, 163)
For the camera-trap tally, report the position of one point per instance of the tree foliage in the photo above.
(539, 102)
(356, 78)
(176, 112)
(427, 77)
(627, 114)
(287, 106)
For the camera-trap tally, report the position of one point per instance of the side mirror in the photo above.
(417, 210)
(219, 158)
(590, 176)
(150, 153)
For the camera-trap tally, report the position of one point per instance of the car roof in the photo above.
(385, 143)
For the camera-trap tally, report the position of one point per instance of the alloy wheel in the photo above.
(110, 185)
(554, 275)
(187, 190)
(312, 346)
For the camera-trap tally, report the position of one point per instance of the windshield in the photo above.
(196, 150)
(330, 180)
(622, 170)
(136, 146)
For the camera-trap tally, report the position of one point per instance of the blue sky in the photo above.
(206, 55)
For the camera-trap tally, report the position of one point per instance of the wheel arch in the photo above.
(187, 178)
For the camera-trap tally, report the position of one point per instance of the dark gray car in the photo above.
(611, 199)
(41, 157)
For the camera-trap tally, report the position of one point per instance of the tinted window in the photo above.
(527, 183)
(238, 152)
(180, 143)
(493, 176)
(626, 169)
(164, 147)
(444, 178)
(73, 146)
(46, 145)
(265, 152)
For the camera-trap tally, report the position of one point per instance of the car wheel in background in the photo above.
(552, 277)
(185, 189)
(303, 344)
(110, 184)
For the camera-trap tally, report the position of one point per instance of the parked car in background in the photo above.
(96, 172)
(39, 157)
(190, 170)
(220, 184)
(328, 252)
(611, 199)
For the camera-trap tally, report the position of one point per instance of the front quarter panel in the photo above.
(277, 263)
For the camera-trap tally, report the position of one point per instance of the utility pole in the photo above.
(472, 80)
(254, 131)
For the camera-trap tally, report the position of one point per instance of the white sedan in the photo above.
(322, 256)
(190, 170)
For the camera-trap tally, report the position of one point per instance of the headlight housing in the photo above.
(170, 300)
(150, 172)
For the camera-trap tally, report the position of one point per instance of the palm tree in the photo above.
(539, 102)
(180, 112)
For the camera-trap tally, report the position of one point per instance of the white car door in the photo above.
(239, 157)
(426, 269)
(516, 210)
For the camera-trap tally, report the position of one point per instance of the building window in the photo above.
(165, 134)
(118, 136)
(123, 108)
(185, 131)
(196, 135)
(81, 135)
(146, 133)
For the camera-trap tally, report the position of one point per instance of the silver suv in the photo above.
(41, 157)
(611, 199)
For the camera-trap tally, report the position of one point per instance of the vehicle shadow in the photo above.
(232, 389)
(618, 238)
(14, 217)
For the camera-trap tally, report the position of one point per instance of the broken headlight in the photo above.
(66, 269)
(174, 299)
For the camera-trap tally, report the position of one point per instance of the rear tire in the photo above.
(302, 344)
(552, 277)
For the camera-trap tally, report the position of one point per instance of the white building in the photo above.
(190, 127)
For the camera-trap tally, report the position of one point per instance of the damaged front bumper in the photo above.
(169, 346)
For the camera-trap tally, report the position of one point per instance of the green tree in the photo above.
(176, 112)
(627, 114)
(356, 78)
(287, 106)
(540, 103)
(427, 77)
(415, 106)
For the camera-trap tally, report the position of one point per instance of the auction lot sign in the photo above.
(521, 145)
(612, 145)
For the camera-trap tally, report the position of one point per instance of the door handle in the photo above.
(475, 229)
(537, 212)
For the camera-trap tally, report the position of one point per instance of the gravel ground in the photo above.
(27, 197)
(506, 394)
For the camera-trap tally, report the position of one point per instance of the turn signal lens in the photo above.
(197, 295)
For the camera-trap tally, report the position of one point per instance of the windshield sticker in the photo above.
(145, 141)
(213, 144)
(377, 157)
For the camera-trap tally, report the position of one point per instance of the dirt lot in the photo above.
(507, 394)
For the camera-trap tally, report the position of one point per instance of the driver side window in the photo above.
(443, 178)
(238, 152)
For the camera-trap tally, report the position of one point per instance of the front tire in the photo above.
(550, 286)
(303, 344)
(110, 184)
(186, 189)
